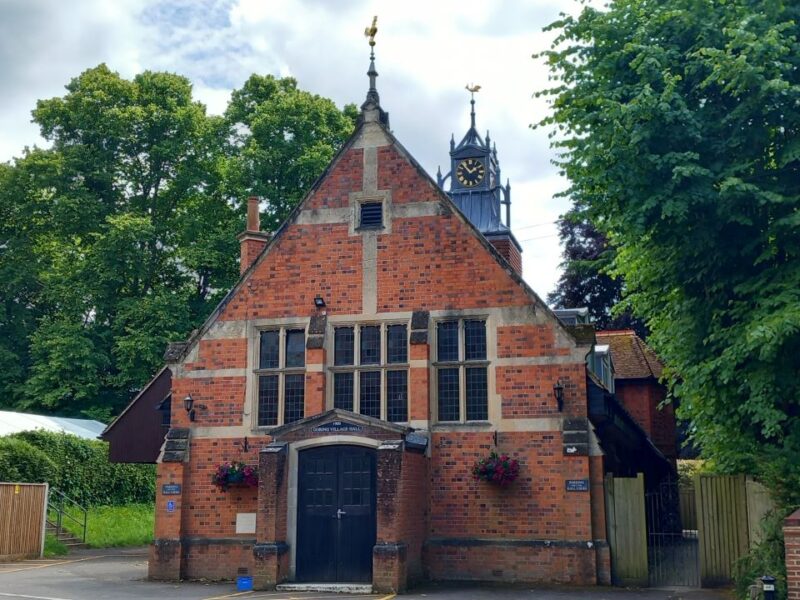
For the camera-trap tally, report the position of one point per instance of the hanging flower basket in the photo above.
(234, 473)
(499, 469)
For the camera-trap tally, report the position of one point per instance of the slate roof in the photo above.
(633, 359)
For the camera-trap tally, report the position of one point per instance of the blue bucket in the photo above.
(244, 583)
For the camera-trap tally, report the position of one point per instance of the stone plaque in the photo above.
(245, 522)
(337, 427)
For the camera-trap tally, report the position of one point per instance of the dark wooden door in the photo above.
(336, 514)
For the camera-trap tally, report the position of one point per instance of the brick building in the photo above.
(376, 346)
(637, 371)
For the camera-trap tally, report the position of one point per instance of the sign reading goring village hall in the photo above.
(337, 427)
(577, 485)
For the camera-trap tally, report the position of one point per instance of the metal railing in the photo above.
(62, 509)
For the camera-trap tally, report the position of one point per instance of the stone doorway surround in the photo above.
(402, 496)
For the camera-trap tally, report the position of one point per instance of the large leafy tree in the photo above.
(122, 235)
(284, 138)
(585, 280)
(678, 123)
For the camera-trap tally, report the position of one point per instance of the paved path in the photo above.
(120, 575)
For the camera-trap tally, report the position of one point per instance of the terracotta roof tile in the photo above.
(632, 358)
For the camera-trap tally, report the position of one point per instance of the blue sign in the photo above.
(577, 485)
(171, 489)
(337, 427)
(170, 505)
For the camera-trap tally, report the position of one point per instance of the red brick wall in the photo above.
(791, 536)
(641, 398)
(536, 505)
(436, 263)
(527, 391)
(212, 513)
(512, 563)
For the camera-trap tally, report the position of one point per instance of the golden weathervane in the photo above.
(372, 30)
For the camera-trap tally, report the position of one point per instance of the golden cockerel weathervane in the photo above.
(372, 30)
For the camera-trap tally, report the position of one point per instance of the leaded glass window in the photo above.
(370, 370)
(462, 370)
(281, 376)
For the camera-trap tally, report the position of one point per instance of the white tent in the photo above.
(14, 422)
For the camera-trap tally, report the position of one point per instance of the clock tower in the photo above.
(476, 189)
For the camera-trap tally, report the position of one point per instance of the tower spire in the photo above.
(472, 88)
(373, 102)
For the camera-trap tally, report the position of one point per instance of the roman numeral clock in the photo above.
(470, 172)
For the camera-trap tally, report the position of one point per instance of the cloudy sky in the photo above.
(427, 51)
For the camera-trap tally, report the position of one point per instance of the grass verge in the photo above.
(52, 547)
(110, 526)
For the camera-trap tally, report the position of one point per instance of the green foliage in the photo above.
(22, 462)
(687, 469)
(126, 525)
(768, 557)
(76, 467)
(121, 236)
(677, 123)
(53, 547)
(285, 137)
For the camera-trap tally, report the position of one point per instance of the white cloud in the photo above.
(426, 53)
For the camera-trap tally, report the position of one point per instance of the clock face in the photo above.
(470, 172)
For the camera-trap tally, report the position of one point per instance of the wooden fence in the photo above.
(627, 530)
(23, 507)
(729, 513)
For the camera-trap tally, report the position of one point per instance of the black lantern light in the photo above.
(558, 392)
(319, 302)
(188, 404)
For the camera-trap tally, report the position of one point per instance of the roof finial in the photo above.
(472, 88)
(370, 32)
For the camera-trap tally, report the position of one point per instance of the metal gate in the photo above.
(672, 551)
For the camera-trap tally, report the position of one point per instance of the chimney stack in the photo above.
(508, 247)
(252, 240)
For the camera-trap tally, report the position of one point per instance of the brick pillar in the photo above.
(791, 537)
(315, 365)
(271, 553)
(419, 405)
(389, 556)
(166, 550)
(315, 381)
(252, 240)
(402, 517)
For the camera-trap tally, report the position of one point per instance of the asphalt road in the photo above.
(120, 575)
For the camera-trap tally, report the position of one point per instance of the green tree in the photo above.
(122, 235)
(284, 138)
(677, 123)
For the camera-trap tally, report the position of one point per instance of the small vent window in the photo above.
(371, 214)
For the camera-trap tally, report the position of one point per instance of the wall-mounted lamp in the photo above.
(558, 392)
(188, 404)
(319, 302)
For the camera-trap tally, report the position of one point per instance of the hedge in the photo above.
(75, 466)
